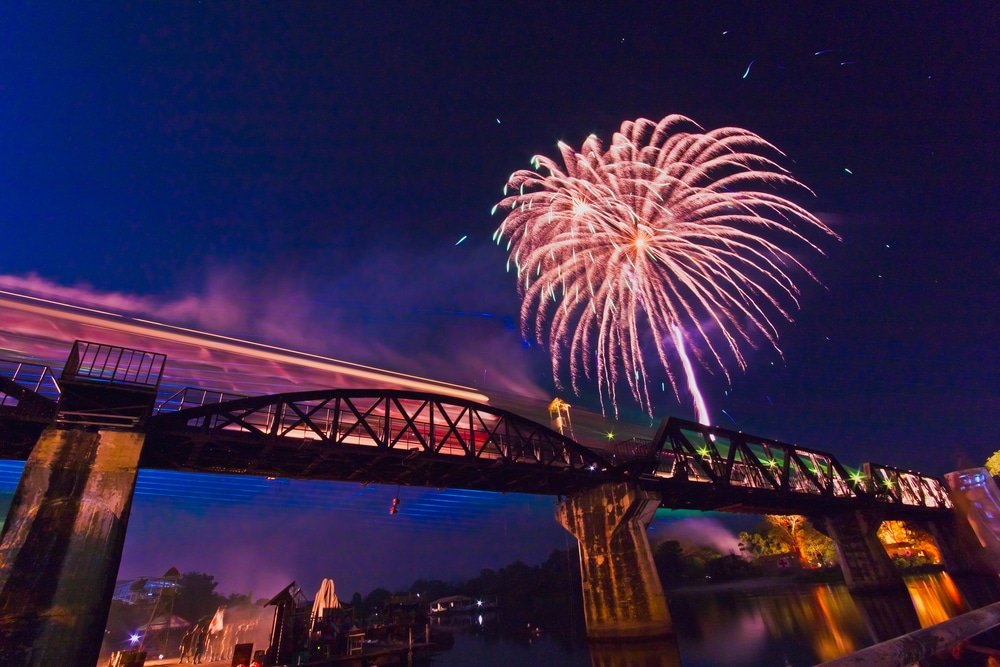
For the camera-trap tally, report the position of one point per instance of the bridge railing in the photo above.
(194, 397)
(33, 377)
(113, 365)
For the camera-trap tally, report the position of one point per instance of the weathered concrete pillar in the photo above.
(970, 541)
(622, 594)
(965, 555)
(61, 546)
(961, 552)
(866, 565)
(977, 499)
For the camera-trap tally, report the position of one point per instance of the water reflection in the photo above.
(661, 653)
(789, 625)
(886, 615)
(935, 598)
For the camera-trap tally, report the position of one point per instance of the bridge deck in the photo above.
(402, 437)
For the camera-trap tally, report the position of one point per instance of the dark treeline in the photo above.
(545, 596)
(678, 565)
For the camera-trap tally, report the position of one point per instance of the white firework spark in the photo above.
(668, 229)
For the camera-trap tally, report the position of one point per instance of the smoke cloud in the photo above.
(698, 532)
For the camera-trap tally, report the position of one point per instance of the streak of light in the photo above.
(461, 239)
(747, 72)
(229, 344)
(425, 508)
(699, 402)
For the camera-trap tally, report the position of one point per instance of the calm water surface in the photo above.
(794, 625)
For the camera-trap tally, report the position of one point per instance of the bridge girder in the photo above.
(379, 436)
(711, 468)
(404, 437)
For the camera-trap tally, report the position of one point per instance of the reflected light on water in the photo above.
(936, 599)
(803, 624)
(833, 635)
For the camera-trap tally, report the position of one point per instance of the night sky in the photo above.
(304, 172)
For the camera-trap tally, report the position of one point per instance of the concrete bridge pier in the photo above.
(622, 594)
(61, 545)
(970, 566)
(866, 565)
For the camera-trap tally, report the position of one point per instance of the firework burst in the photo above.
(668, 237)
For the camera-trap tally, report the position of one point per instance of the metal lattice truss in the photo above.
(385, 436)
(756, 474)
(895, 486)
(401, 437)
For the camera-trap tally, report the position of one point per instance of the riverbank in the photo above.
(781, 581)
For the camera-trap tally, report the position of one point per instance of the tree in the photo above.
(432, 589)
(238, 600)
(993, 463)
(377, 600)
(789, 529)
(669, 559)
(759, 543)
(908, 546)
(197, 597)
(790, 534)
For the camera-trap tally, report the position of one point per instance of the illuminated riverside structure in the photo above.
(86, 434)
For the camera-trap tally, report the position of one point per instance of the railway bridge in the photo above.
(85, 434)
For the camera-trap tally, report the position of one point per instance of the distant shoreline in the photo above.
(776, 583)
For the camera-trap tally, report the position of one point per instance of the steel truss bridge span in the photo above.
(709, 468)
(372, 436)
(404, 437)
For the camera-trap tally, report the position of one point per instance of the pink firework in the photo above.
(668, 237)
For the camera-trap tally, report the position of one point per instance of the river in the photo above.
(764, 625)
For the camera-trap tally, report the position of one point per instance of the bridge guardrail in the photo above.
(37, 378)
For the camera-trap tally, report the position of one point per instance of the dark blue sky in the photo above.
(329, 156)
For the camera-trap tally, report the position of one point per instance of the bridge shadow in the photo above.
(887, 614)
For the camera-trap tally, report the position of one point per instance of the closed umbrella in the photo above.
(326, 598)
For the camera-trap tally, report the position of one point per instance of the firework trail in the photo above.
(668, 237)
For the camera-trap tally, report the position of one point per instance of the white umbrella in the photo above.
(326, 598)
(217, 624)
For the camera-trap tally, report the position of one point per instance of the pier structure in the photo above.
(85, 441)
